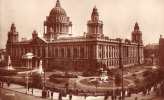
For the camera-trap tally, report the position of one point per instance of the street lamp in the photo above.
(27, 82)
(114, 87)
(122, 83)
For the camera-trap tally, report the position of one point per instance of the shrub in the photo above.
(58, 80)
(66, 75)
(4, 72)
(36, 80)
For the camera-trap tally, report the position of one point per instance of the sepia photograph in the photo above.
(81, 49)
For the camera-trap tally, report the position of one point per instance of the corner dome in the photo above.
(95, 12)
(58, 10)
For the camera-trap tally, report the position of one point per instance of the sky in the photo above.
(118, 16)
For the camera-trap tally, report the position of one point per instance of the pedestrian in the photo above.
(70, 96)
(8, 83)
(136, 98)
(60, 96)
(2, 84)
(28, 88)
(105, 97)
(48, 93)
(52, 94)
(32, 91)
(42, 93)
(85, 95)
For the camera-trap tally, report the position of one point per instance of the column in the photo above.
(105, 51)
(44, 29)
(46, 51)
(56, 29)
(41, 53)
(71, 51)
(98, 30)
(59, 28)
(85, 51)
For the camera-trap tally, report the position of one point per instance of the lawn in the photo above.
(103, 84)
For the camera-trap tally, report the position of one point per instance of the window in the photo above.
(62, 53)
(81, 52)
(56, 53)
(44, 52)
(75, 53)
(68, 53)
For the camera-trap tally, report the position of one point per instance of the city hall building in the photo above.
(59, 49)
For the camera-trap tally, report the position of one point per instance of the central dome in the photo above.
(58, 10)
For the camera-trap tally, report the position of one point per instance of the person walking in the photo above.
(8, 83)
(60, 96)
(2, 84)
(32, 91)
(136, 98)
(85, 95)
(70, 96)
(52, 94)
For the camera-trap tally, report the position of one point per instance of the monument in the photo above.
(9, 66)
(40, 71)
(104, 76)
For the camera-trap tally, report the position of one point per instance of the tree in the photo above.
(104, 67)
(134, 75)
(96, 83)
(66, 85)
(137, 82)
(118, 80)
(36, 79)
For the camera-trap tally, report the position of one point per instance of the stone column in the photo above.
(97, 51)
(46, 51)
(104, 47)
(71, 51)
(87, 51)
(41, 52)
(78, 51)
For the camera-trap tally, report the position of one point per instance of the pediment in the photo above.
(38, 41)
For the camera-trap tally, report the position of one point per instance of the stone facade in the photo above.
(161, 53)
(57, 48)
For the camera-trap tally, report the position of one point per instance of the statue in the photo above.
(9, 66)
(40, 71)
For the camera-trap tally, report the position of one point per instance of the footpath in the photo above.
(38, 92)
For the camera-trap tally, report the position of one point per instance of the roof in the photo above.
(152, 46)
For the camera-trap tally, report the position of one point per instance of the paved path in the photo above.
(37, 92)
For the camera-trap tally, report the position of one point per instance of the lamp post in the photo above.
(27, 82)
(122, 82)
(114, 87)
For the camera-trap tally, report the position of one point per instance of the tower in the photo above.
(57, 23)
(12, 35)
(95, 26)
(34, 34)
(136, 34)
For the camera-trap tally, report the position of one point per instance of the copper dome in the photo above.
(57, 10)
